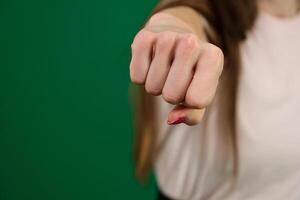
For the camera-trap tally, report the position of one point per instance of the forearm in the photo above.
(181, 19)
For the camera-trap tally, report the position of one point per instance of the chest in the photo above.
(268, 105)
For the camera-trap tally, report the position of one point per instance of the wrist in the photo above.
(168, 21)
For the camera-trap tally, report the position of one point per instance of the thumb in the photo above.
(183, 114)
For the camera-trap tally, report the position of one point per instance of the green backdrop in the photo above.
(65, 119)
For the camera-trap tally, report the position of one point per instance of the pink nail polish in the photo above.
(177, 121)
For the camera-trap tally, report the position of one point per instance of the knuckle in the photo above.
(197, 102)
(165, 39)
(214, 52)
(141, 40)
(215, 56)
(138, 45)
(151, 89)
(171, 97)
(137, 80)
(135, 77)
(189, 43)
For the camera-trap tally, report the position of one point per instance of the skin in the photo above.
(280, 8)
(171, 57)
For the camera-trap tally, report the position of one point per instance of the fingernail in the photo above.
(177, 121)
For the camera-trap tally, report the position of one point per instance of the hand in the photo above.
(174, 63)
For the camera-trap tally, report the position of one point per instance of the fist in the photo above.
(180, 67)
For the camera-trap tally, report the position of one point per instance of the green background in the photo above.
(65, 119)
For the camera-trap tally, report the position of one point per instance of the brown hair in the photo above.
(230, 21)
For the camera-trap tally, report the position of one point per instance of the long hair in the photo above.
(230, 21)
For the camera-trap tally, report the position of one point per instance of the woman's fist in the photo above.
(178, 66)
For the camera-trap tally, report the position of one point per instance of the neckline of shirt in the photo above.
(271, 19)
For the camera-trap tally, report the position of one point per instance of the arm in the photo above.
(181, 17)
(172, 58)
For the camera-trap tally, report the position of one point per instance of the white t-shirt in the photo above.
(192, 163)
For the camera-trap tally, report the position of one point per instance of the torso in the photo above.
(268, 109)
(268, 127)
